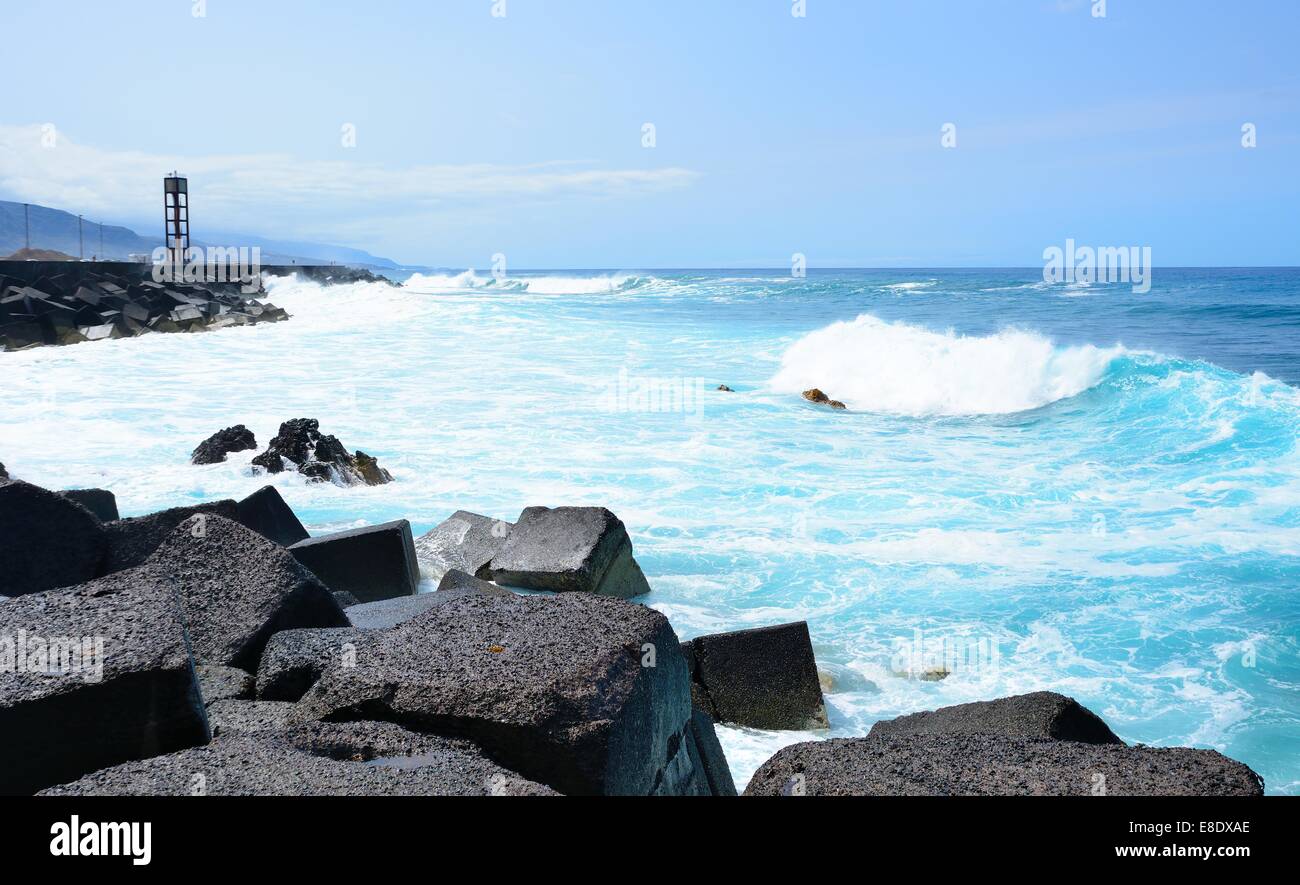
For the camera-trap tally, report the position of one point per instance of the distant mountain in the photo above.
(57, 230)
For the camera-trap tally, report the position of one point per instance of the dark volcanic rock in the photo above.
(375, 562)
(295, 659)
(355, 759)
(215, 448)
(46, 540)
(464, 541)
(345, 599)
(569, 549)
(266, 513)
(763, 678)
(587, 694)
(124, 685)
(218, 683)
(319, 457)
(993, 765)
(234, 715)
(238, 588)
(709, 752)
(132, 541)
(815, 395)
(460, 583)
(100, 502)
(1042, 714)
(390, 612)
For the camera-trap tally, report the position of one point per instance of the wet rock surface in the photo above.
(321, 458)
(763, 678)
(815, 395)
(465, 541)
(215, 448)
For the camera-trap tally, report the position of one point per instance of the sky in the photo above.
(524, 134)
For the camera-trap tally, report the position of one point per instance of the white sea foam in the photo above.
(896, 368)
(910, 286)
(536, 285)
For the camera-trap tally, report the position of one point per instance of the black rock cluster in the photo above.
(70, 308)
(212, 638)
(319, 457)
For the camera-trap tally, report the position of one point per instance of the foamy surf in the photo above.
(536, 285)
(901, 369)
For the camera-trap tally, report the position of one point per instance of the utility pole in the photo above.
(81, 241)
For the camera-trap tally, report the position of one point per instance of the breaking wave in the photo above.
(897, 368)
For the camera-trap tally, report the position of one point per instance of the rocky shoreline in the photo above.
(218, 650)
(50, 303)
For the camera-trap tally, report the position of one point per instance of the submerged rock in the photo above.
(46, 540)
(319, 457)
(215, 448)
(996, 765)
(815, 395)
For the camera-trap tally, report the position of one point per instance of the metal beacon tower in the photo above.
(176, 218)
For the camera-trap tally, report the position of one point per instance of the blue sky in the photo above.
(522, 135)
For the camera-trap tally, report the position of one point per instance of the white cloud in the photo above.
(279, 195)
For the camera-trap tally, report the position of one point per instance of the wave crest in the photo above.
(901, 369)
(536, 285)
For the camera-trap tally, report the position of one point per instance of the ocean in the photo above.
(1034, 486)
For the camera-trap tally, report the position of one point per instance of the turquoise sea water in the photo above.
(1034, 486)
